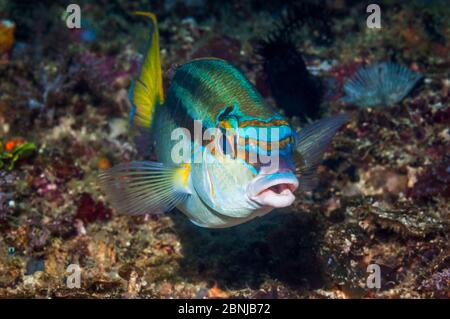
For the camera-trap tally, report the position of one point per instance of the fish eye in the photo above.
(225, 113)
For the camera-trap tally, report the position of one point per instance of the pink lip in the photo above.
(274, 190)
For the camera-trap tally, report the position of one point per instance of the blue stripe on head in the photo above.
(286, 150)
(265, 134)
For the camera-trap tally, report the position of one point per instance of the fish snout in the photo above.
(277, 164)
(274, 190)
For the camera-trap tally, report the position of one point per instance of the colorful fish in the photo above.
(224, 156)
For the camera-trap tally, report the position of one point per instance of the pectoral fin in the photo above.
(312, 143)
(145, 187)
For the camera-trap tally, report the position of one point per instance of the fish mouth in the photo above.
(274, 190)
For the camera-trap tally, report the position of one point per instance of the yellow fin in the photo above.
(147, 91)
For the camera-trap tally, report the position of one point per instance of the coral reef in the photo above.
(383, 188)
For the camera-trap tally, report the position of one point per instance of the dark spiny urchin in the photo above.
(294, 89)
(310, 17)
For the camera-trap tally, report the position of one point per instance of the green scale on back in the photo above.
(211, 90)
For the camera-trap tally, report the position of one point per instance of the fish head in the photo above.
(247, 168)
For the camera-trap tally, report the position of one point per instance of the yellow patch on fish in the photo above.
(182, 175)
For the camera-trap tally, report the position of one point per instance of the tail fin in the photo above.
(147, 90)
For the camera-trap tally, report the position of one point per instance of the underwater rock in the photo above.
(438, 284)
(126, 271)
(106, 286)
(8, 196)
(118, 127)
(434, 181)
(65, 169)
(442, 116)
(407, 221)
(63, 226)
(45, 186)
(105, 68)
(342, 253)
(105, 77)
(34, 265)
(89, 211)
(223, 47)
(379, 84)
(38, 235)
(5, 200)
(383, 180)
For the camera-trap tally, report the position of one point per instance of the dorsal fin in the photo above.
(147, 90)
